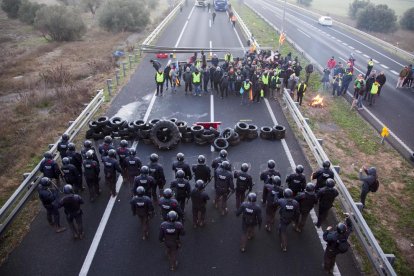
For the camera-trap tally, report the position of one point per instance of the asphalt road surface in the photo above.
(394, 108)
(213, 250)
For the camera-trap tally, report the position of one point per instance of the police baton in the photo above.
(231, 193)
(208, 182)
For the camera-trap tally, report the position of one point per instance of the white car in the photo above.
(325, 21)
(201, 3)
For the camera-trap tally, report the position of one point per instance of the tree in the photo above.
(377, 18)
(27, 11)
(91, 5)
(304, 2)
(123, 15)
(356, 6)
(11, 7)
(407, 20)
(60, 23)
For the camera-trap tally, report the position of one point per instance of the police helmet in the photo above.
(71, 146)
(226, 165)
(180, 174)
(140, 190)
(87, 144)
(276, 180)
(341, 228)
(271, 164)
(172, 216)
(299, 169)
(252, 197)
(123, 143)
(201, 159)
(65, 137)
(108, 139)
(47, 155)
(180, 156)
(287, 193)
(68, 189)
(223, 153)
(111, 153)
(65, 161)
(326, 164)
(330, 183)
(154, 157)
(132, 151)
(144, 170)
(45, 181)
(244, 167)
(199, 184)
(167, 193)
(310, 187)
(88, 154)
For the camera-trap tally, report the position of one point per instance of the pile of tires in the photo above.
(166, 134)
(203, 136)
(277, 132)
(115, 127)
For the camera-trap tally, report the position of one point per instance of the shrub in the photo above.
(377, 18)
(60, 23)
(356, 6)
(27, 11)
(91, 5)
(11, 7)
(407, 20)
(123, 15)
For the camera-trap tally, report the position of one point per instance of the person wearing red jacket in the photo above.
(331, 64)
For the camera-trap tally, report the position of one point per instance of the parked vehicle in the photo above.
(220, 5)
(325, 21)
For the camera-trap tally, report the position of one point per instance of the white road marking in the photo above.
(376, 61)
(339, 40)
(358, 51)
(185, 26)
(344, 43)
(209, 23)
(384, 66)
(350, 47)
(212, 114)
(303, 33)
(365, 55)
(394, 72)
(211, 47)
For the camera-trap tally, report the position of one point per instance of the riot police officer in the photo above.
(326, 197)
(244, 182)
(75, 158)
(141, 206)
(252, 217)
(144, 180)
(71, 174)
(123, 153)
(91, 172)
(157, 172)
(71, 203)
(307, 201)
(50, 168)
(133, 166)
(201, 170)
(199, 200)
(87, 146)
(62, 146)
(180, 164)
(105, 146)
(181, 188)
(296, 181)
(111, 166)
(168, 203)
(289, 211)
(273, 192)
(322, 175)
(217, 161)
(266, 175)
(49, 196)
(170, 232)
(223, 183)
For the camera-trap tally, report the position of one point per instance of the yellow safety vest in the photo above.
(370, 63)
(265, 79)
(246, 86)
(160, 77)
(196, 78)
(374, 89)
(228, 57)
(304, 86)
(278, 71)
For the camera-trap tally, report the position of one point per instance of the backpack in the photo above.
(249, 216)
(342, 246)
(374, 186)
(289, 211)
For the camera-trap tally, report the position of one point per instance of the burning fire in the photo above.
(317, 101)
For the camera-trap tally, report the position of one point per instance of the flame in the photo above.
(317, 101)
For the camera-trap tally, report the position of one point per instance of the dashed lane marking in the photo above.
(394, 72)
(384, 66)
(365, 55)
(376, 61)
(358, 51)
(303, 33)
(350, 47)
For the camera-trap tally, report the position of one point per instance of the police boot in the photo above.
(59, 229)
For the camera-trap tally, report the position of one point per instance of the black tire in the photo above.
(182, 126)
(139, 124)
(208, 136)
(242, 128)
(187, 139)
(200, 140)
(235, 140)
(93, 125)
(115, 134)
(131, 127)
(220, 144)
(116, 122)
(102, 121)
(147, 141)
(279, 132)
(107, 130)
(154, 121)
(123, 131)
(215, 131)
(228, 133)
(266, 133)
(89, 134)
(236, 136)
(252, 134)
(145, 131)
(97, 136)
(174, 120)
(165, 135)
(197, 130)
(124, 124)
(187, 134)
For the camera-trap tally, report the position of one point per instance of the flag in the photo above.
(282, 38)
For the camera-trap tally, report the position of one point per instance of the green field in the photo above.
(340, 7)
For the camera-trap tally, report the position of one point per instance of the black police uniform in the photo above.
(244, 183)
(199, 200)
(170, 233)
(182, 165)
(50, 200)
(252, 217)
(223, 183)
(123, 153)
(111, 166)
(265, 176)
(94, 156)
(72, 176)
(273, 193)
(169, 204)
(91, 172)
(326, 197)
(62, 148)
(217, 162)
(307, 200)
(143, 208)
(71, 204)
(289, 211)
(75, 158)
(202, 171)
(50, 169)
(145, 181)
(157, 172)
(321, 176)
(133, 168)
(104, 148)
(182, 190)
(296, 182)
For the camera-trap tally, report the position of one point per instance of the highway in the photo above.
(112, 245)
(394, 108)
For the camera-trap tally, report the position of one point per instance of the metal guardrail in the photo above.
(364, 233)
(377, 257)
(19, 198)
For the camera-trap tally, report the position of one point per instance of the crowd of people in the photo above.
(147, 184)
